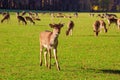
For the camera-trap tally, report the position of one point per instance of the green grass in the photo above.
(82, 56)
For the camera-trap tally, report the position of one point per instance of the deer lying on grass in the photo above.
(70, 28)
(49, 41)
(29, 19)
(6, 17)
(98, 25)
(34, 16)
(20, 18)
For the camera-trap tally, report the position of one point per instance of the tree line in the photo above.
(62, 5)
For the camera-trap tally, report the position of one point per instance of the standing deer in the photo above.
(20, 18)
(98, 25)
(70, 28)
(6, 17)
(49, 41)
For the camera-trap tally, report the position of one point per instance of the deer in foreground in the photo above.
(98, 25)
(29, 19)
(20, 18)
(6, 17)
(70, 28)
(49, 41)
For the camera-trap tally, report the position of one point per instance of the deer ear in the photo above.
(62, 24)
(51, 25)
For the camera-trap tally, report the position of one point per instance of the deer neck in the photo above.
(54, 38)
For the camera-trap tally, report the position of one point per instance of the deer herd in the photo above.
(21, 17)
(99, 24)
(49, 39)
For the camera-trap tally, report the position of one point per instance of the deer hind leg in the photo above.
(18, 21)
(103, 27)
(49, 58)
(41, 55)
(56, 59)
(118, 26)
(71, 32)
(45, 57)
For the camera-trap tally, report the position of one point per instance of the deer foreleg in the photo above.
(56, 59)
(45, 57)
(40, 55)
(71, 32)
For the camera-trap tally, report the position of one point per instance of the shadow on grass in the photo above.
(109, 35)
(41, 25)
(109, 71)
(100, 36)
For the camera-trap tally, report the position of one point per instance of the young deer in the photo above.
(6, 17)
(20, 18)
(49, 41)
(98, 25)
(70, 28)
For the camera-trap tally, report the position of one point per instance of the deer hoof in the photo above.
(58, 68)
(40, 64)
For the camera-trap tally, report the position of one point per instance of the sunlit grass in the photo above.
(82, 56)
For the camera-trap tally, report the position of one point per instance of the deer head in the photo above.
(56, 27)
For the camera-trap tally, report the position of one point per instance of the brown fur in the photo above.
(29, 19)
(20, 18)
(6, 17)
(112, 20)
(70, 28)
(98, 25)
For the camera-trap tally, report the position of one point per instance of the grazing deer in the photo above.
(70, 28)
(49, 41)
(111, 20)
(100, 15)
(98, 25)
(20, 18)
(92, 14)
(29, 19)
(34, 18)
(6, 17)
(76, 14)
(110, 15)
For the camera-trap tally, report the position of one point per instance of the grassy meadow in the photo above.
(82, 56)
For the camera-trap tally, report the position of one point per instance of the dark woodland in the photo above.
(62, 5)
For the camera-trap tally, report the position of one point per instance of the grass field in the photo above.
(82, 56)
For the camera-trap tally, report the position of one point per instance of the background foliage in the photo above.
(61, 5)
